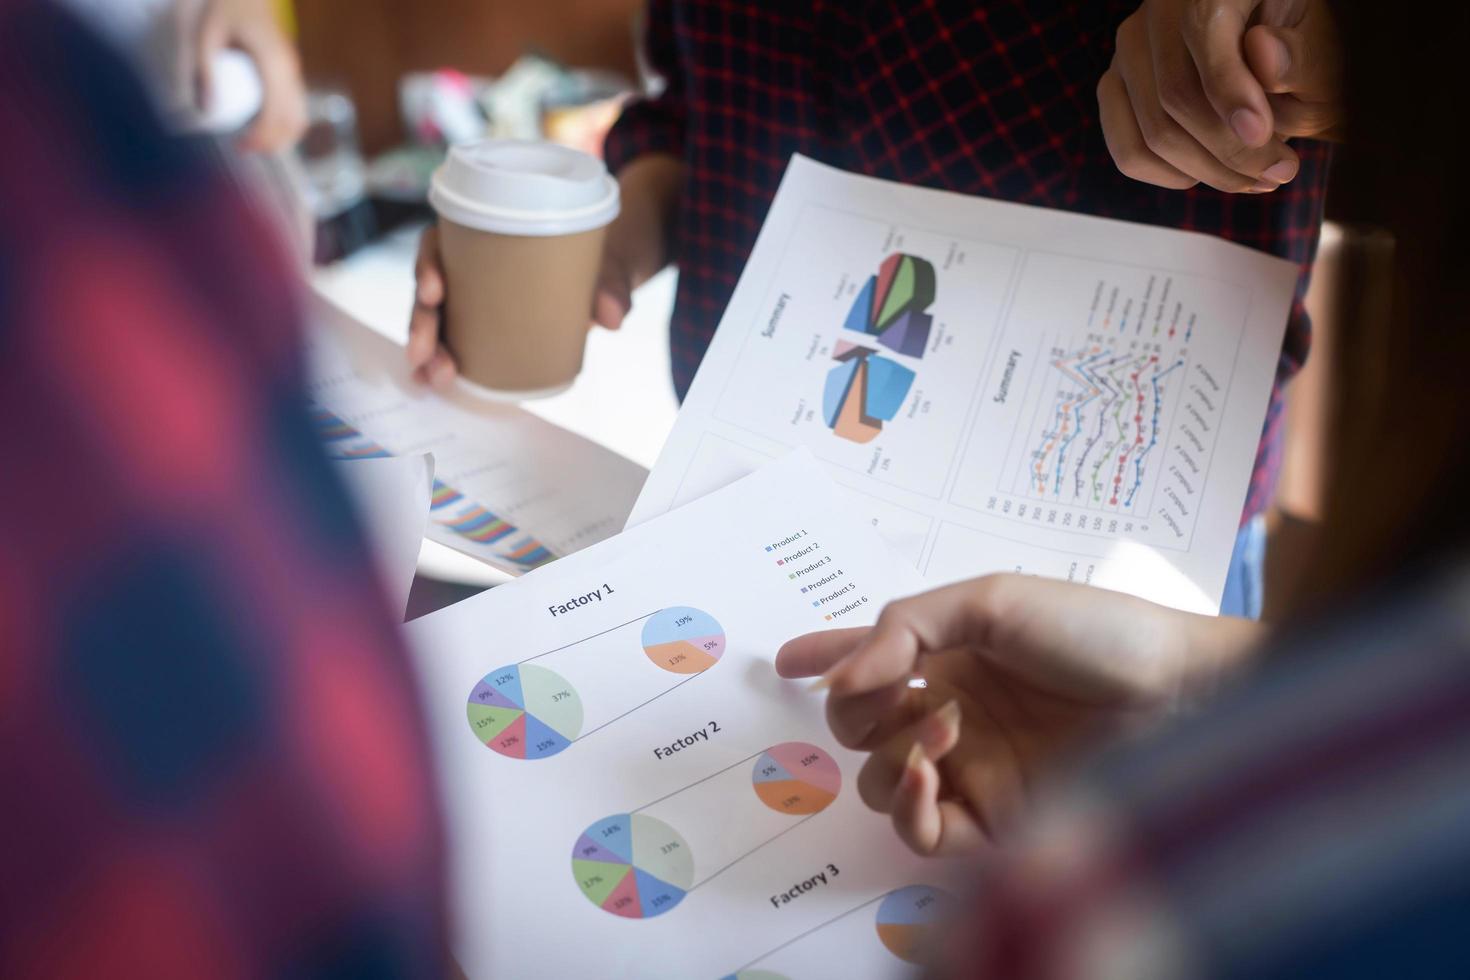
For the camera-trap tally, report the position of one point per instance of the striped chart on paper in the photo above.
(448, 507)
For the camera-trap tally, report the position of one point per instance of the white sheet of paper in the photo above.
(511, 489)
(392, 495)
(1042, 391)
(637, 678)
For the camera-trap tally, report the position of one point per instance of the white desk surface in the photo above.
(624, 398)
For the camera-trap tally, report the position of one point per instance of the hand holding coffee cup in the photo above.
(511, 268)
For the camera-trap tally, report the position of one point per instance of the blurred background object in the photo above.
(367, 46)
(394, 85)
(336, 175)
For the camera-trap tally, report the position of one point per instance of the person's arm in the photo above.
(1208, 91)
(252, 27)
(1019, 672)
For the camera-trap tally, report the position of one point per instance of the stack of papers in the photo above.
(509, 489)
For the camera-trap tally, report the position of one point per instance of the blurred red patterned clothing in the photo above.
(212, 756)
(1310, 822)
(994, 98)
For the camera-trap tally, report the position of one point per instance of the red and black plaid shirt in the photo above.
(212, 762)
(994, 98)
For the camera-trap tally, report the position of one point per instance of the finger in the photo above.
(985, 770)
(424, 319)
(935, 735)
(1170, 141)
(1125, 143)
(423, 335)
(926, 824)
(282, 116)
(609, 308)
(865, 720)
(614, 296)
(1177, 85)
(428, 268)
(1301, 71)
(815, 653)
(927, 623)
(1298, 118)
(1212, 33)
(1302, 61)
(439, 373)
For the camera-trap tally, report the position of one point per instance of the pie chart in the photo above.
(909, 918)
(632, 865)
(796, 778)
(525, 711)
(683, 640)
(863, 391)
(891, 305)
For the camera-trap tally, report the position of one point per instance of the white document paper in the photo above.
(1005, 388)
(631, 791)
(392, 495)
(510, 489)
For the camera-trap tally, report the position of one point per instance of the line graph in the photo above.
(1106, 405)
(1096, 429)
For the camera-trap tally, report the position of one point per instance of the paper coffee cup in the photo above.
(521, 226)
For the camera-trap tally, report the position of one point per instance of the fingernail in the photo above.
(1249, 126)
(1280, 172)
(821, 683)
(939, 727)
(1281, 55)
(915, 762)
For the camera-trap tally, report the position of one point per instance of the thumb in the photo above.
(614, 296)
(1301, 61)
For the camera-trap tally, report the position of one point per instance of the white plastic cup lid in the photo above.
(522, 187)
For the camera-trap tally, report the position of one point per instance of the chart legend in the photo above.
(683, 640)
(633, 865)
(796, 778)
(525, 712)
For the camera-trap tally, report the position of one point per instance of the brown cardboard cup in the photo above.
(521, 227)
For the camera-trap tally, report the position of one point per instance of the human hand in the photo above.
(1207, 91)
(1018, 671)
(634, 249)
(431, 361)
(251, 26)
